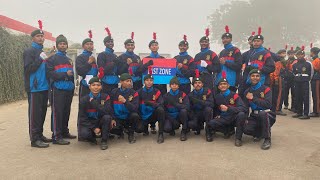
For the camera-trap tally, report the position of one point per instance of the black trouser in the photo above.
(258, 125)
(223, 124)
(129, 124)
(137, 85)
(208, 81)
(186, 88)
(87, 128)
(107, 88)
(289, 87)
(37, 111)
(197, 118)
(162, 88)
(61, 107)
(171, 123)
(277, 96)
(315, 87)
(157, 115)
(302, 92)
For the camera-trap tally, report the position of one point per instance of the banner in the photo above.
(163, 70)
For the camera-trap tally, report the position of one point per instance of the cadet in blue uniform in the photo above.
(230, 61)
(230, 111)
(108, 65)
(125, 102)
(185, 66)
(96, 115)
(289, 80)
(201, 104)
(60, 71)
(302, 72)
(261, 119)
(151, 108)
(176, 105)
(315, 82)
(36, 85)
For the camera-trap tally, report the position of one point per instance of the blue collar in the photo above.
(183, 53)
(174, 93)
(60, 53)
(257, 86)
(198, 92)
(37, 46)
(259, 49)
(87, 53)
(154, 55)
(147, 90)
(225, 94)
(205, 50)
(95, 97)
(124, 90)
(131, 54)
(228, 46)
(109, 51)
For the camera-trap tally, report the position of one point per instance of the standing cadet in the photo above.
(289, 78)
(315, 82)
(201, 104)
(108, 65)
(130, 63)
(230, 61)
(96, 115)
(151, 108)
(36, 85)
(302, 72)
(185, 66)
(230, 111)
(207, 62)
(125, 103)
(86, 66)
(261, 119)
(176, 105)
(60, 70)
(277, 83)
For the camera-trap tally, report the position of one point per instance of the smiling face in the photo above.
(183, 48)
(148, 83)
(223, 86)
(255, 78)
(204, 44)
(109, 44)
(130, 47)
(226, 40)
(126, 84)
(95, 87)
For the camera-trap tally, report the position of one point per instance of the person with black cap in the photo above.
(176, 105)
(36, 86)
(185, 66)
(86, 66)
(289, 80)
(230, 111)
(131, 63)
(96, 115)
(201, 104)
(60, 71)
(261, 119)
(125, 102)
(108, 65)
(207, 62)
(230, 61)
(278, 84)
(302, 71)
(260, 59)
(151, 108)
(315, 82)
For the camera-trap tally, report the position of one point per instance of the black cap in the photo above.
(148, 76)
(61, 38)
(125, 76)
(107, 39)
(254, 71)
(128, 41)
(196, 79)
(174, 80)
(86, 41)
(94, 79)
(37, 31)
(223, 80)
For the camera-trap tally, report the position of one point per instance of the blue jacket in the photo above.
(83, 67)
(262, 97)
(174, 102)
(151, 95)
(187, 69)
(123, 110)
(134, 68)
(107, 61)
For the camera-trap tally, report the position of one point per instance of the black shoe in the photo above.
(160, 138)
(111, 136)
(93, 142)
(209, 136)
(69, 136)
(104, 145)
(153, 130)
(286, 107)
(183, 135)
(39, 144)
(131, 138)
(60, 142)
(266, 144)
(172, 133)
(314, 115)
(280, 113)
(238, 142)
(297, 115)
(256, 139)
(292, 110)
(304, 117)
(197, 132)
(45, 139)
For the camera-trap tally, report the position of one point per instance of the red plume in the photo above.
(40, 24)
(197, 73)
(185, 37)
(311, 45)
(207, 32)
(101, 73)
(130, 71)
(154, 36)
(253, 33)
(150, 70)
(132, 35)
(286, 46)
(227, 29)
(223, 74)
(108, 31)
(90, 34)
(259, 31)
(291, 48)
(302, 48)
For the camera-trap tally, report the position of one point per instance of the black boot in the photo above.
(314, 114)
(266, 144)
(69, 136)
(104, 145)
(45, 139)
(39, 144)
(183, 135)
(60, 142)
(131, 138)
(209, 136)
(160, 138)
(297, 115)
(238, 142)
(304, 117)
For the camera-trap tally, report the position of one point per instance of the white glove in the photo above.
(43, 56)
(203, 63)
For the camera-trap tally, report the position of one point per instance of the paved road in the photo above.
(295, 154)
